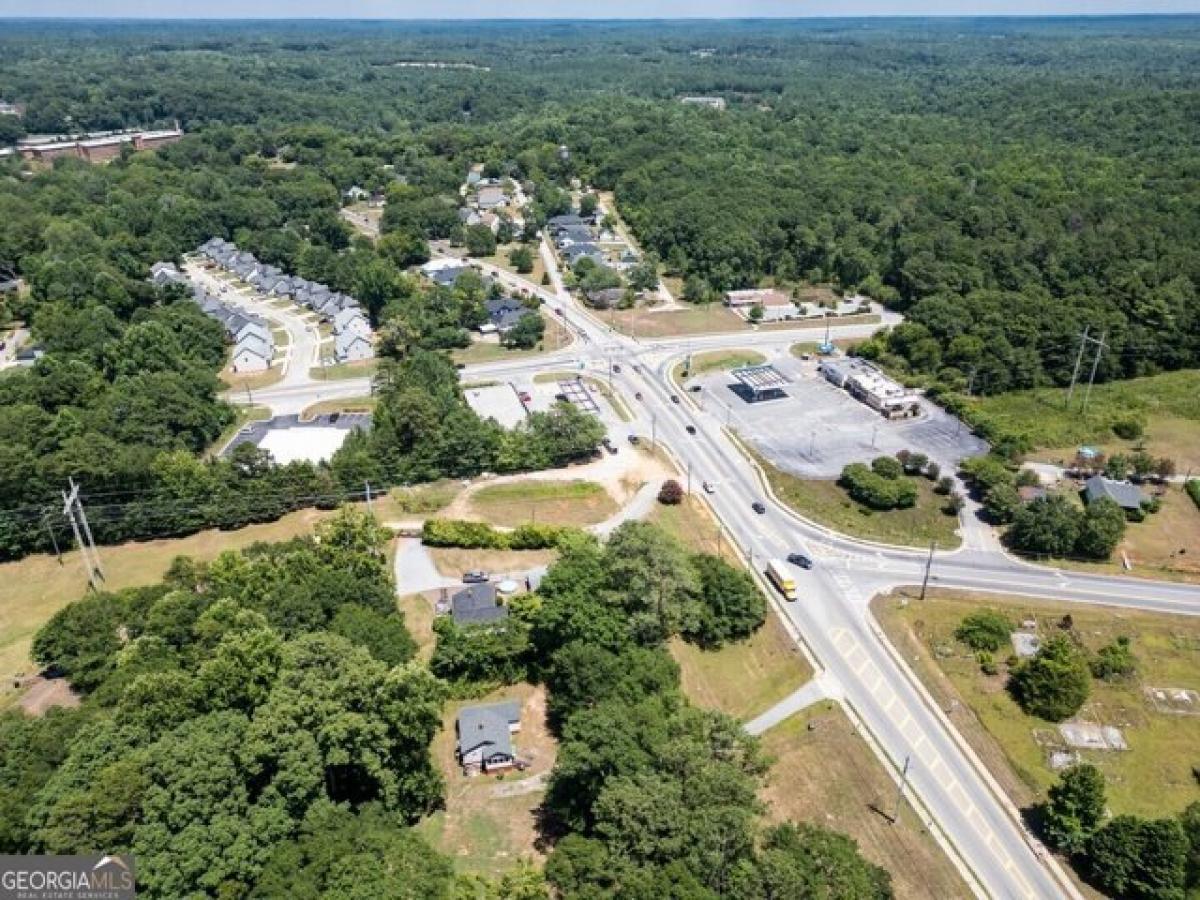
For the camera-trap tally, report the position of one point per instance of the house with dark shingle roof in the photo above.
(485, 737)
(477, 604)
(1125, 495)
(505, 312)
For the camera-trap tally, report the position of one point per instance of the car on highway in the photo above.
(609, 445)
(799, 559)
(637, 396)
(634, 439)
(475, 576)
(674, 398)
(690, 429)
(616, 367)
(759, 507)
(696, 388)
(709, 487)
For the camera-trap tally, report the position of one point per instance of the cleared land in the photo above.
(825, 502)
(1154, 777)
(548, 502)
(693, 525)
(33, 589)
(363, 368)
(826, 774)
(721, 360)
(453, 561)
(240, 381)
(490, 822)
(418, 611)
(425, 499)
(501, 261)
(556, 337)
(1168, 405)
(694, 320)
(349, 404)
(746, 678)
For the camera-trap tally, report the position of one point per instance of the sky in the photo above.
(566, 9)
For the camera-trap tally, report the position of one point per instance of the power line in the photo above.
(73, 510)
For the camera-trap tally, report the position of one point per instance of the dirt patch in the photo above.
(42, 694)
(453, 561)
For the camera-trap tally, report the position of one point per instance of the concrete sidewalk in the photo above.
(818, 689)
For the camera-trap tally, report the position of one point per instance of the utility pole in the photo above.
(73, 510)
(53, 538)
(689, 477)
(1087, 395)
(654, 429)
(928, 566)
(1083, 339)
(370, 509)
(900, 789)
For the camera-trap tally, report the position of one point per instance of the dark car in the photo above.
(696, 388)
(637, 396)
(616, 367)
(691, 429)
(799, 559)
(674, 398)
(759, 507)
(609, 445)
(634, 439)
(475, 577)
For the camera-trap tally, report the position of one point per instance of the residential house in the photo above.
(351, 319)
(477, 605)
(164, 273)
(469, 217)
(504, 312)
(351, 347)
(446, 277)
(574, 253)
(252, 354)
(485, 737)
(256, 327)
(354, 193)
(605, 298)
(573, 234)
(1127, 496)
(490, 197)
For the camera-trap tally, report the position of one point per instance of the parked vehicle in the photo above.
(781, 577)
(758, 507)
(634, 439)
(475, 576)
(799, 559)
(696, 388)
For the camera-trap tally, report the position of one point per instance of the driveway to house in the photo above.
(415, 571)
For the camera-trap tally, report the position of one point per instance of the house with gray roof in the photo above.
(477, 604)
(351, 319)
(490, 197)
(252, 354)
(447, 276)
(504, 312)
(484, 735)
(351, 347)
(1127, 496)
(576, 252)
(164, 273)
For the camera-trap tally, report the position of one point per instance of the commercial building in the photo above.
(99, 148)
(867, 383)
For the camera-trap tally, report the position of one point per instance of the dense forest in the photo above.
(1004, 183)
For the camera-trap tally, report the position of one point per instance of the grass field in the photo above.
(824, 773)
(33, 589)
(556, 337)
(489, 823)
(546, 502)
(453, 561)
(711, 317)
(424, 499)
(1168, 405)
(746, 678)
(824, 502)
(238, 382)
(363, 368)
(721, 360)
(418, 613)
(500, 260)
(348, 404)
(1153, 777)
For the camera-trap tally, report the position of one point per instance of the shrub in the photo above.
(481, 536)
(944, 485)
(1193, 489)
(1114, 661)
(671, 493)
(876, 491)
(987, 629)
(887, 467)
(932, 471)
(1128, 429)
(1054, 684)
(987, 663)
(1074, 808)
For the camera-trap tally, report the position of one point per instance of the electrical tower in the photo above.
(1084, 340)
(73, 510)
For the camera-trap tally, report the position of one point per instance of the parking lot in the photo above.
(816, 428)
(289, 439)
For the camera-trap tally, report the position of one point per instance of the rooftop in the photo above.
(477, 605)
(1126, 495)
(489, 726)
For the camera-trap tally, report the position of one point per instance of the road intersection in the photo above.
(948, 784)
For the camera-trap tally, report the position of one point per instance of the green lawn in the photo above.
(548, 502)
(1154, 777)
(347, 404)
(825, 502)
(1168, 405)
(362, 369)
(721, 360)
